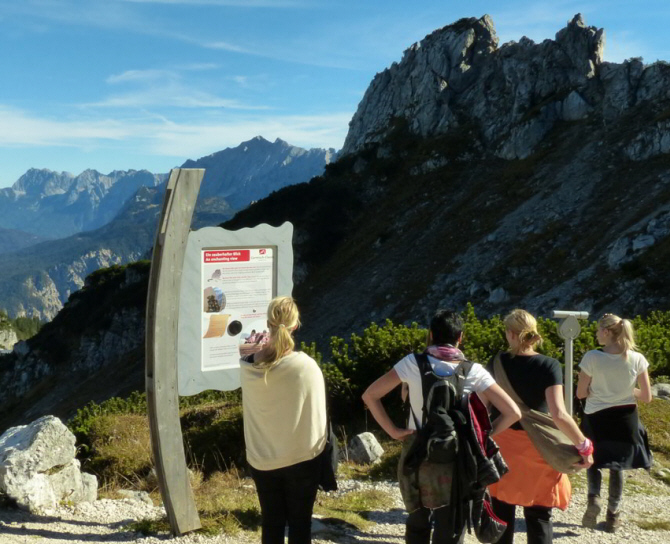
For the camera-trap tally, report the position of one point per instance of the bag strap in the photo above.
(425, 370)
(461, 373)
(503, 381)
(329, 423)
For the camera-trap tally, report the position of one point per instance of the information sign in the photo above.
(228, 280)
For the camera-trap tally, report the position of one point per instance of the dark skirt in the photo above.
(619, 439)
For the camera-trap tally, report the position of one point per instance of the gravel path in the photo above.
(107, 520)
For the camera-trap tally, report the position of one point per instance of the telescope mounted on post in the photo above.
(569, 329)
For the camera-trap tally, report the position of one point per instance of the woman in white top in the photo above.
(608, 381)
(284, 403)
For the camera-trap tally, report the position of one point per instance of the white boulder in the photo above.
(364, 449)
(38, 468)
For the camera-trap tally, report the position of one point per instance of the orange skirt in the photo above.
(530, 480)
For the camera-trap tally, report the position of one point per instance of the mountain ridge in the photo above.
(37, 280)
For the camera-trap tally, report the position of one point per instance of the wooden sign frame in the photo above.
(161, 349)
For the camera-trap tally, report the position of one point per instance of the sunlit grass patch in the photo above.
(353, 507)
(653, 524)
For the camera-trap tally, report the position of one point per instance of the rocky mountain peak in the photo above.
(459, 76)
(42, 182)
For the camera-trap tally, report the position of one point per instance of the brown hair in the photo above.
(523, 324)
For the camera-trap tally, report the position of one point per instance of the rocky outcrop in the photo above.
(7, 338)
(92, 350)
(38, 469)
(513, 95)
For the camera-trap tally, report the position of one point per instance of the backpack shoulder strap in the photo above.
(461, 373)
(427, 380)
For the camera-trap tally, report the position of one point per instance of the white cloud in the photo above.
(156, 135)
(28, 130)
(141, 75)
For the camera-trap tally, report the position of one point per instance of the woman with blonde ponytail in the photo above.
(531, 482)
(284, 403)
(608, 380)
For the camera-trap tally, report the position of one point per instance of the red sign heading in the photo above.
(227, 256)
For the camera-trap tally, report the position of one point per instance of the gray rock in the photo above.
(498, 295)
(37, 465)
(619, 253)
(661, 390)
(140, 496)
(89, 487)
(506, 91)
(364, 449)
(643, 241)
(574, 107)
(8, 339)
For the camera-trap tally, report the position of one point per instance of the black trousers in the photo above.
(420, 522)
(538, 522)
(287, 496)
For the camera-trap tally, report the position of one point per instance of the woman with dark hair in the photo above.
(444, 357)
(607, 381)
(284, 403)
(531, 482)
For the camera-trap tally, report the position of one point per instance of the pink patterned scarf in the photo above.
(446, 353)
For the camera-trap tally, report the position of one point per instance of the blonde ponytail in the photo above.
(622, 331)
(283, 319)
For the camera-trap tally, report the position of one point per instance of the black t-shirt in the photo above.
(529, 375)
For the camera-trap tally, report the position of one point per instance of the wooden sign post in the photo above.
(161, 349)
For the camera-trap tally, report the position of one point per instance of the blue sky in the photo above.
(120, 84)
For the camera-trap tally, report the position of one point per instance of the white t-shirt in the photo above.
(478, 379)
(613, 378)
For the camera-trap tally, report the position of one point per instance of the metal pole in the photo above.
(568, 375)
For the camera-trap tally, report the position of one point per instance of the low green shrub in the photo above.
(212, 421)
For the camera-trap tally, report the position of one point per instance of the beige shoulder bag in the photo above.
(550, 441)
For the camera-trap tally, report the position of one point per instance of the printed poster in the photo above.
(237, 286)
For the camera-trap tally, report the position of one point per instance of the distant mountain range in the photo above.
(55, 205)
(100, 220)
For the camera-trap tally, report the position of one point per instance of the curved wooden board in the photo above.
(161, 349)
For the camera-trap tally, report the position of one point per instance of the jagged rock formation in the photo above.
(514, 95)
(533, 175)
(38, 469)
(255, 168)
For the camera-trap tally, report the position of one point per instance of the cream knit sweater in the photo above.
(284, 412)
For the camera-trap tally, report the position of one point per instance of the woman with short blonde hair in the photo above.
(284, 403)
(608, 380)
(536, 380)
